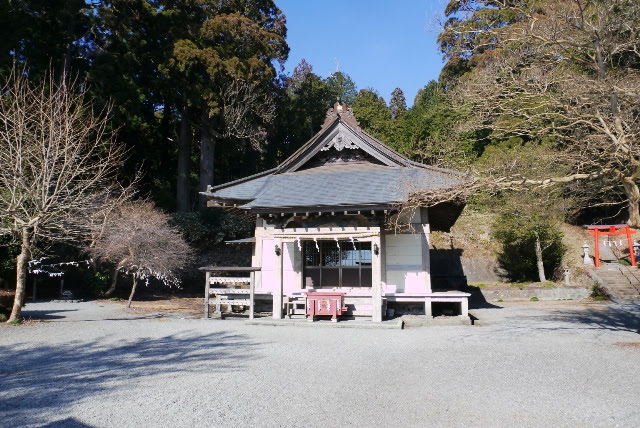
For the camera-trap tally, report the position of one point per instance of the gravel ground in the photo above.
(522, 364)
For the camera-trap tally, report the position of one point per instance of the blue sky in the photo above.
(381, 44)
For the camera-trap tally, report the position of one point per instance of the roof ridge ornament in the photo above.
(345, 113)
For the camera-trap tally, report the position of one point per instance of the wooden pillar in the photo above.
(630, 242)
(427, 307)
(252, 292)
(464, 308)
(596, 233)
(206, 295)
(426, 259)
(277, 293)
(376, 280)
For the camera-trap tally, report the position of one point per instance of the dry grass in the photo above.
(191, 307)
(472, 233)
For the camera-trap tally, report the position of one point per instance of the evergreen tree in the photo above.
(398, 103)
(302, 105)
(47, 34)
(341, 87)
(224, 63)
(374, 116)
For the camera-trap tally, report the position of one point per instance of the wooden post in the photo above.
(219, 305)
(597, 247)
(630, 242)
(277, 294)
(252, 291)
(427, 307)
(464, 308)
(376, 280)
(206, 295)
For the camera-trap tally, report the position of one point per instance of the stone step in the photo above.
(622, 282)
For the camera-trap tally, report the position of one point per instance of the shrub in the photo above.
(210, 227)
(517, 235)
(97, 282)
(598, 293)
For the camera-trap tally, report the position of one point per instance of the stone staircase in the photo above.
(622, 282)
(607, 254)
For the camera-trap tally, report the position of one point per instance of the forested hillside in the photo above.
(538, 99)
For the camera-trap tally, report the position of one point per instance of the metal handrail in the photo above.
(627, 270)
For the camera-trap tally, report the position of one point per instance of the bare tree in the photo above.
(139, 241)
(567, 72)
(59, 164)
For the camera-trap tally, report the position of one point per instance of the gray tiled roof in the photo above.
(353, 184)
(385, 180)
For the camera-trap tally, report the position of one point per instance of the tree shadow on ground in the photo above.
(614, 317)
(46, 314)
(477, 299)
(67, 423)
(39, 381)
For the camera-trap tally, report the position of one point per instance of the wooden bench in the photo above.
(294, 302)
(427, 298)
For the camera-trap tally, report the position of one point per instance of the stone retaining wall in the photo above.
(492, 294)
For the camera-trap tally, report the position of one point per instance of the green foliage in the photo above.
(466, 32)
(46, 34)
(534, 299)
(210, 227)
(302, 101)
(517, 235)
(598, 293)
(341, 87)
(373, 115)
(96, 282)
(427, 132)
(398, 103)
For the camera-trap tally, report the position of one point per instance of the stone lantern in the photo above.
(587, 260)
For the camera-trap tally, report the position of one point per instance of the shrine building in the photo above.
(321, 223)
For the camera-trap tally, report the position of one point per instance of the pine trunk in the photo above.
(633, 200)
(21, 276)
(183, 188)
(207, 149)
(133, 289)
(541, 275)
